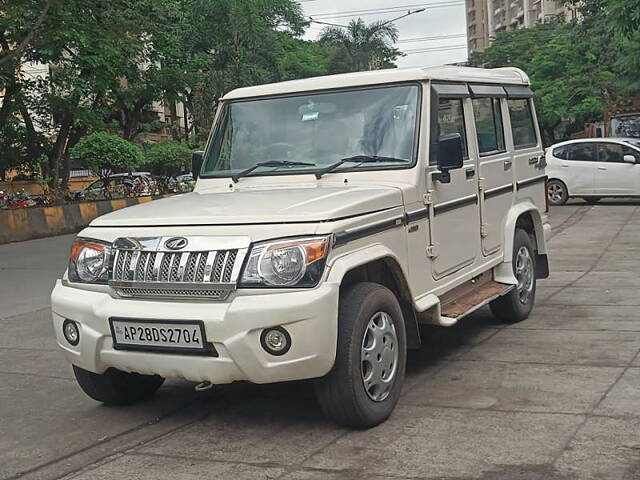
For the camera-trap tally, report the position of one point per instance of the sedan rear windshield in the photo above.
(305, 133)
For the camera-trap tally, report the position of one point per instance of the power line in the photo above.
(434, 49)
(409, 13)
(383, 10)
(428, 39)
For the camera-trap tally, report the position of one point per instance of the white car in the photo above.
(331, 217)
(593, 168)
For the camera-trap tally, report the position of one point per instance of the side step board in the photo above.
(471, 301)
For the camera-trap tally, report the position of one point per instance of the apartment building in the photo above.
(486, 18)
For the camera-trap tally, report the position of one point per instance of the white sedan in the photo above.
(593, 168)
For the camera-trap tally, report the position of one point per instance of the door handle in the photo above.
(602, 168)
(470, 173)
(534, 160)
(507, 164)
(564, 165)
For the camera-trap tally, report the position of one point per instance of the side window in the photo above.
(522, 123)
(560, 152)
(610, 152)
(583, 152)
(451, 120)
(489, 125)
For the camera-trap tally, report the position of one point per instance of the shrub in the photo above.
(103, 154)
(168, 158)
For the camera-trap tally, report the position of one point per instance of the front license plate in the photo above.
(159, 335)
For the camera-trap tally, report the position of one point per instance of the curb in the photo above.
(21, 224)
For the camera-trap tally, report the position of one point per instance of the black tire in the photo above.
(510, 308)
(116, 387)
(592, 200)
(341, 393)
(557, 192)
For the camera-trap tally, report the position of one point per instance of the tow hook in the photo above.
(204, 386)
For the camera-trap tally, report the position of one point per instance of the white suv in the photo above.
(593, 168)
(331, 218)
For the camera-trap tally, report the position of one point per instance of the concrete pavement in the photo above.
(555, 397)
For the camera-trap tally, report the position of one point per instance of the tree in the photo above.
(104, 154)
(168, 158)
(574, 69)
(362, 47)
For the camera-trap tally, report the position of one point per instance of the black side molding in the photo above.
(530, 181)
(458, 203)
(495, 192)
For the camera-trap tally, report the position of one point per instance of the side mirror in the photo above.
(629, 159)
(196, 163)
(450, 155)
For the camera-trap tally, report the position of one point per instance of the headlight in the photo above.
(89, 262)
(286, 263)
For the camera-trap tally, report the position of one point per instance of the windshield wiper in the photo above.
(271, 163)
(359, 159)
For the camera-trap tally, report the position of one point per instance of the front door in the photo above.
(614, 176)
(455, 221)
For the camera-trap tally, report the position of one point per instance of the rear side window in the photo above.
(580, 152)
(489, 125)
(451, 120)
(522, 123)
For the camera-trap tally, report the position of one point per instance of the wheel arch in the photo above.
(379, 265)
(558, 179)
(527, 216)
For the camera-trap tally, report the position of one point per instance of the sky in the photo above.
(443, 18)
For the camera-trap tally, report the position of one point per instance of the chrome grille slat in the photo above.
(145, 267)
(229, 262)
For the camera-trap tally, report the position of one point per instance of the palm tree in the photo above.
(366, 47)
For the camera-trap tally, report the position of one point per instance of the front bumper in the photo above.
(234, 327)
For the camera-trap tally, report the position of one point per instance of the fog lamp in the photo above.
(276, 340)
(71, 332)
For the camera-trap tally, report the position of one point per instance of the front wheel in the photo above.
(557, 192)
(365, 383)
(516, 305)
(116, 387)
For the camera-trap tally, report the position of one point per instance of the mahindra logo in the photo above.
(176, 243)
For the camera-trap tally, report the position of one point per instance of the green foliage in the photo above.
(168, 158)
(104, 153)
(576, 70)
(361, 46)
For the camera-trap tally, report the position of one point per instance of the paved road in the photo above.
(555, 397)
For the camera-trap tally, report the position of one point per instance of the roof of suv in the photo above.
(508, 76)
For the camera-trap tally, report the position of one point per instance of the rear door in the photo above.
(527, 147)
(614, 176)
(496, 164)
(578, 164)
(455, 221)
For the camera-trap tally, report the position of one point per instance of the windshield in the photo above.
(305, 133)
(635, 143)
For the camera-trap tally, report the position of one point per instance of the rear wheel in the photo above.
(117, 387)
(516, 305)
(365, 383)
(557, 192)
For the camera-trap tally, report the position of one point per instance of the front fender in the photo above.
(350, 260)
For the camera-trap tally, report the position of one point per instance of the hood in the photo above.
(256, 206)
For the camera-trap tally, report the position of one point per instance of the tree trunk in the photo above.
(56, 156)
(175, 126)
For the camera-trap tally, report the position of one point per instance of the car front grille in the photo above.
(206, 268)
